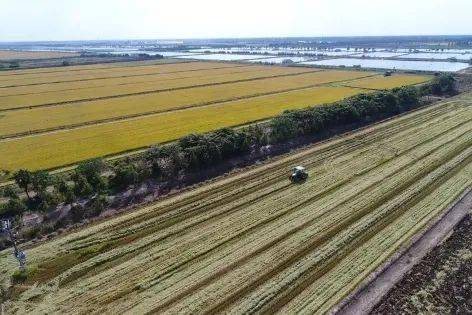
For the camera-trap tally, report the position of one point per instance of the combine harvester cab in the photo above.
(299, 175)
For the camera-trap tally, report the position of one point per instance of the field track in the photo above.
(255, 243)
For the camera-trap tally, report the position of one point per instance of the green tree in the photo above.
(9, 192)
(23, 179)
(282, 128)
(66, 191)
(92, 170)
(82, 187)
(13, 207)
(40, 180)
(125, 175)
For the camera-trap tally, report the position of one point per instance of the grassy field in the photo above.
(54, 117)
(255, 243)
(22, 55)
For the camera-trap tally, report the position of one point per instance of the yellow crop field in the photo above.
(253, 242)
(57, 116)
(64, 76)
(146, 84)
(382, 82)
(20, 121)
(23, 55)
(114, 65)
(126, 80)
(65, 147)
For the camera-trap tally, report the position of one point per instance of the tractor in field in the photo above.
(298, 175)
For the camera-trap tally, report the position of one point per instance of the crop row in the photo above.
(63, 147)
(30, 120)
(75, 68)
(253, 242)
(116, 87)
(93, 74)
(387, 82)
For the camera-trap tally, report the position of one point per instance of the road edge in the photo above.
(371, 291)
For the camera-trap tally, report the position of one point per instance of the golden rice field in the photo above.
(92, 66)
(25, 55)
(150, 82)
(70, 114)
(55, 117)
(387, 82)
(252, 242)
(154, 83)
(106, 73)
(44, 151)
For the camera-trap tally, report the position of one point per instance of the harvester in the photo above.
(299, 174)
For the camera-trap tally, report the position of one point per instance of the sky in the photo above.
(33, 20)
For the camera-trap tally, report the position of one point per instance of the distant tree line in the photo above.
(95, 179)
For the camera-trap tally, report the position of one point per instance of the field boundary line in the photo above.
(125, 83)
(26, 107)
(65, 68)
(331, 151)
(123, 76)
(163, 111)
(379, 283)
(363, 128)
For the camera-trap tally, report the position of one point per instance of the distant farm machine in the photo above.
(6, 227)
(299, 174)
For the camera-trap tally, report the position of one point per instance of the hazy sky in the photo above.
(141, 19)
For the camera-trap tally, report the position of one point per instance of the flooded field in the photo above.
(380, 54)
(222, 57)
(153, 53)
(441, 56)
(281, 60)
(392, 64)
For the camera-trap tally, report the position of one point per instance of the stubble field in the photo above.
(255, 243)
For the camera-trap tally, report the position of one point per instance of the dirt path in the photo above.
(386, 276)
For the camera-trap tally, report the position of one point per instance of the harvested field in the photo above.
(22, 55)
(72, 145)
(255, 243)
(54, 117)
(440, 283)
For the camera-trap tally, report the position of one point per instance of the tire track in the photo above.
(269, 176)
(291, 232)
(160, 279)
(290, 293)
